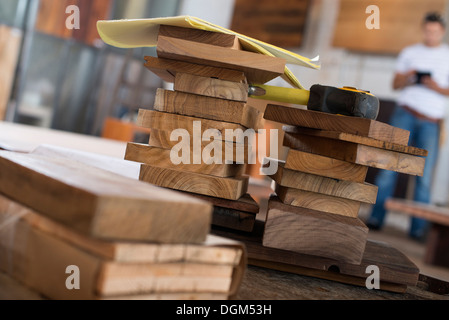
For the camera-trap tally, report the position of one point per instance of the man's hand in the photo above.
(401, 80)
(432, 85)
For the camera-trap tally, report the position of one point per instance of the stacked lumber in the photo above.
(73, 231)
(197, 141)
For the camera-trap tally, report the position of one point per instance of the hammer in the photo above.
(345, 101)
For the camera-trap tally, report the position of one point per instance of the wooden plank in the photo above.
(213, 250)
(246, 203)
(237, 152)
(194, 126)
(233, 219)
(213, 38)
(356, 153)
(167, 69)
(258, 68)
(159, 157)
(227, 188)
(318, 201)
(209, 108)
(101, 203)
(211, 87)
(363, 192)
(393, 265)
(314, 233)
(325, 166)
(357, 139)
(417, 209)
(332, 122)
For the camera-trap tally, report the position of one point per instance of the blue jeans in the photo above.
(425, 135)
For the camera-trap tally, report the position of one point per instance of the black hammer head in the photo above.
(343, 101)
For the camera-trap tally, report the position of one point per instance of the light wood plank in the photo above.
(167, 69)
(211, 87)
(317, 201)
(363, 192)
(258, 68)
(332, 122)
(209, 108)
(357, 139)
(159, 157)
(325, 166)
(356, 153)
(213, 38)
(225, 131)
(101, 203)
(227, 188)
(426, 211)
(314, 233)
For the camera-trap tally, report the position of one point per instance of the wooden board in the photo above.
(210, 87)
(227, 188)
(213, 38)
(318, 201)
(101, 203)
(159, 157)
(399, 24)
(356, 153)
(332, 122)
(357, 139)
(167, 121)
(417, 209)
(37, 255)
(241, 153)
(167, 69)
(208, 108)
(394, 267)
(314, 233)
(258, 68)
(9, 53)
(325, 166)
(363, 192)
(246, 203)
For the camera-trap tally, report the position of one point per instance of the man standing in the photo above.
(422, 75)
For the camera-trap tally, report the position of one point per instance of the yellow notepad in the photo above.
(143, 33)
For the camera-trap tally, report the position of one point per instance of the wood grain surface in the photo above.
(101, 203)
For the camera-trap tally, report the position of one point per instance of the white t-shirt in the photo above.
(435, 60)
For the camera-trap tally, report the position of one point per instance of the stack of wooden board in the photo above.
(74, 231)
(202, 132)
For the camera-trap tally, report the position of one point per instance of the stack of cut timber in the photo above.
(74, 231)
(321, 184)
(197, 121)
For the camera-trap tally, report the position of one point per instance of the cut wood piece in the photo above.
(101, 203)
(233, 219)
(357, 139)
(231, 151)
(159, 157)
(167, 69)
(246, 203)
(124, 279)
(315, 233)
(332, 122)
(325, 166)
(195, 127)
(258, 68)
(214, 250)
(356, 153)
(363, 192)
(208, 108)
(394, 266)
(227, 188)
(214, 38)
(211, 87)
(417, 209)
(318, 201)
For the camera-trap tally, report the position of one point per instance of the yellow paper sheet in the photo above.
(143, 33)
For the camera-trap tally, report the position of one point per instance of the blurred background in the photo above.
(69, 80)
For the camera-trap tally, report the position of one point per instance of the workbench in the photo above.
(258, 283)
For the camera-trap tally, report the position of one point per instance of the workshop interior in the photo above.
(224, 150)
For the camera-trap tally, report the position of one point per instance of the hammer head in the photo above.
(349, 102)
